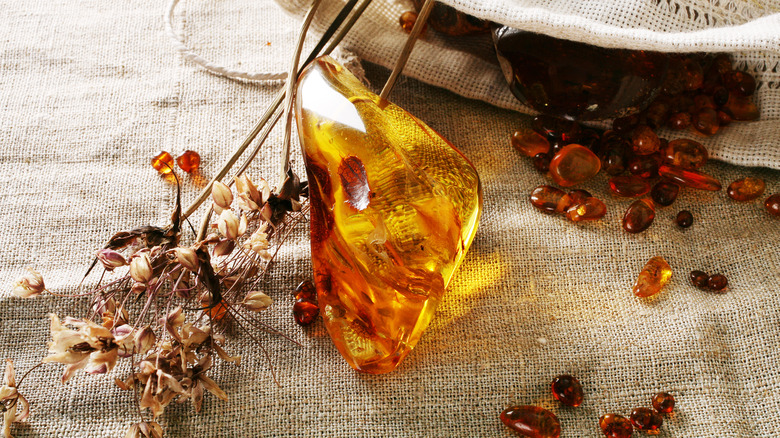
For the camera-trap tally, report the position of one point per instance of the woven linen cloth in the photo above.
(749, 30)
(93, 89)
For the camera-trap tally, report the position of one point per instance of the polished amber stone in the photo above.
(574, 197)
(529, 142)
(699, 279)
(590, 209)
(652, 278)
(717, 282)
(646, 419)
(614, 162)
(772, 205)
(575, 80)
(567, 390)
(407, 20)
(645, 166)
(629, 186)
(687, 154)
(679, 121)
(706, 121)
(689, 178)
(615, 426)
(305, 311)
(684, 219)
(549, 199)
(450, 21)
(644, 140)
(163, 163)
(556, 128)
(305, 290)
(741, 108)
(189, 161)
(574, 164)
(532, 421)
(639, 216)
(394, 209)
(746, 189)
(664, 193)
(663, 402)
(694, 75)
(740, 81)
(542, 162)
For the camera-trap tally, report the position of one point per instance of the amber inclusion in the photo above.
(394, 208)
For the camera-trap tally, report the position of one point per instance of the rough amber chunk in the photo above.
(687, 154)
(589, 209)
(644, 141)
(628, 186)
(305, 311)
(689, 178)
(163, 163)
(743, 82)
(663, 402)
(529, 142)
(567, 390)
(549, 199)
(189, 161)
(741, 108)
(532, 421)
(305, 290)
(684, 219)
(772, 205)
(706, 121)
(664, 193)
(646, 419)
(394, 208)
(615, 426)
(746, 189)
(653, 277)
(679, 121)
(639, 216)
(574, 164)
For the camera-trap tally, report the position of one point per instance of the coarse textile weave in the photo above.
(91, 90)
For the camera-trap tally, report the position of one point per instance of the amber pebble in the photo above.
(720, 96)
(305, 311)
(548, 199)
(615, 426)
(746, 189)
(163, 163)
(740, 81)
(688, 154)
(664, 193)
(542, 162)
(529, 142)
(772, 205)
(532, 421)
(306, 291)
(628, 186)
(588, 210)
(189, 161)
(741, 108)
(694, 75)
(684, 219)
(407, 20)
(663, 402)
(574, 164)
(679, 121)
(557, 129)
(699, 279)
(614, 162)
(573, 198)
(567, 390)
(722, 63)
(639, 216)
(646, 419)
(706, 121)
(645, 166)
(717, 282)
(652, 278)
(703, 101)
(724, 118)
(644, 141)
(656, 114)
(689, 178)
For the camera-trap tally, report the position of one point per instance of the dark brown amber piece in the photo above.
(644, 140)
(567, 390)
(772, 205)
(614, 163)
(699, 279)
(694, 75)
(746, 189)
(663, 402)
(656, 114)
(685, 153)
(624, 125)
(305, 311)
(542, 162)
(717, 282)
(189, 161)
(529, 142)
(703, 101)
(305, 290)
(549, 199)
(639, 216)
(588, 210)
(645, 166)
(615, 426)
(689, 178)
(684, 219)
(532, 421)
(720, 96)
(574, 164)
(724, 118)
(652, 278)
(679, 121)
(664, 193)
(646, 419)
(407, 20)
(557, 129)
(706, 121)
(163, 163)
(450, 21)
(628, 186)
(741, 108)
(740, 81)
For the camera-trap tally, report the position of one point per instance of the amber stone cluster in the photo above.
(576, 205)
(704, 281)
(537, 422)
(305, 310)
(641, 418)
(189, 161)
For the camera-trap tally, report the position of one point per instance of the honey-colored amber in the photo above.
(646, 419)
(664, 193)
(699, 279)
(663, 402)
(644, 141)
(717, 282)
(689, 178)
(549, 199)
(652, 278)
(532, 421)
(574, 197)
(741, 108)
(628, 186)
(645, 166)
(407, 20)
(706, 121)
(772, 205)
(590, 209)
(746, 189)
(567, 390)
(529, 142)
(615, 426)
(306, 291)
(574, 164)
(189, 161)
(394, 209)
(163, 163)
(687, 154)
(639, 216)
(305, 311)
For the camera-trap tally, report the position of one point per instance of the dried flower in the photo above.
(258, 241)
(257, 301)
(145, 429)
(230, 226)
(10, 400)
(221, 195)
(187, 258)
(249, 197)
(141, 267)
(111, 259)
(144, 340)
(224, 247)
(30, 285)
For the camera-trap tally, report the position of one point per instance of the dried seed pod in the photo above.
(257, 301)
(29, 285)
(141, 267)
(110, 259)
(144, 340)
(221, 195)
(187, 258)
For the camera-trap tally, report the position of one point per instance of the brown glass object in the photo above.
(163, 163)
(549, 199)
(529, 142)
(664, 193)
(699, 279)
(305, 311)
(663, 402)
(646, 419)
(652, 278)
(557, 129)
(189, 161)
(687, 154)
(574, 164)
(772, 205)
(615, 426)
(532, 421)
(567, 390)
(746, 189)
(590, 209)
(628, 186)
(450, 21)
(717, 282)
(639, 216)
(580, 81)
(684, 219)
(689, 178)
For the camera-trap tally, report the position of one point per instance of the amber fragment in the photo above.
(741, 108)
(529, 142)
(646, 419)
(652, 278)
(163, 163)
(689, 178)
(629, 186)
(305, 290)
(532, 421)
(699, 279)
(687, 154)
(614, 162)
(588, 210)
(549, 199)
(664, 193)
(407, 20)
(305, 311)
(615, 426)
(574, 164)
(542, 162)
(639, 216)
(577, 196)
(679, 121)
(663, 402)
(189, 161)
(557, 129)
(694, 75)
(684, 219)
(740, 81)
(772, 205)
(706, 121)
(387, 239)
(645, 166)
(644, 140)
(717, 282)
(450, 21)
(746, 189)
(567, 390)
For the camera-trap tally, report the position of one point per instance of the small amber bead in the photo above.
(663, 402)
(699, 279)
(574, 197)
(684, 219)
(529, 142)
(628, 186)
(772, 205)
(567, 390)
(664, 193)
(717, 282)
(574, 164)
(532, 421)
(652, 278)
(645, 166)
(644, 140)
(689, 178)
(724, 118)
(542, 162)
(687, 154)
(189, 161)
(639, 216)
(746, 189)
(163, 163)
(305, 291)
(679, 121)
(305, 311)
(646, 419)
(407, 20)
(741, 108)
(615, 426)
(706, 121)
(720, 96)
(588, 210)
(549, 199)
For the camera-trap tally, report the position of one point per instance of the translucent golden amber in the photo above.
(163, 163)
(532, 421)
(689, 178)
(746, 189)
(394, 208)
(663, 402)
(615, 426)
(574, 164)
(189, 161)
(687, 154)
(653, 277)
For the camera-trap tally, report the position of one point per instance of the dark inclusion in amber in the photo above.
(532, 421)
(450, 21)
(567, 390)
(574, 80)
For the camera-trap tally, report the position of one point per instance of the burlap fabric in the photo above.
(91, 90)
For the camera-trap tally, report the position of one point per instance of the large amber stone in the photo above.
(394, 208)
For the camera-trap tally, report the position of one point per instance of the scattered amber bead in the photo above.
(532, 421)
(652, 278)
(305, 291)
(549, 199)
(529, 142)
(717, 282)
(574, 164)
(589, 210)
(163, 163)
(189, 161)
(706, 121)
(614, 163)
(722, 63)
(740, 81)
(679, 121)
(663, 402)
(699, 279)
(557, 129)
(542, 162)
(571, 199)
(644, 140)
(646, 419)
(746, 189)
(685, 153)
(615, 426)
(645, 166)
(628, 186)
(689, 178)
(639, 216)
(684, 219)
(567, 390)
(407, 20)
(741, 108)
(305, 311)
(664, 193)
(772, 205)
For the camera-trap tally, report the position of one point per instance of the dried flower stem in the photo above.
(419, 24)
